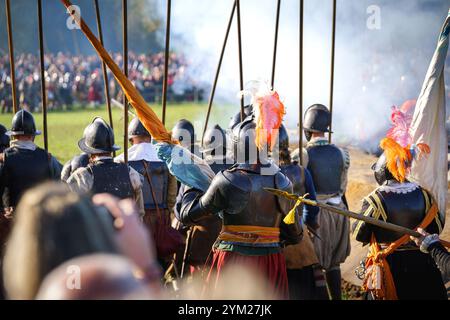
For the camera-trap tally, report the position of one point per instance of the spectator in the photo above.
(54, 225)
(77, 79)
(94, 277)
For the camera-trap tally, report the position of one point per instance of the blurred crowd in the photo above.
(78, 80)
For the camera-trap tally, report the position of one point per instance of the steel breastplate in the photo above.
(262, 208)
(159, 177)
(111, 177)
(326, 165)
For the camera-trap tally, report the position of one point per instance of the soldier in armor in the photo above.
(305, 277)
(159, 188)
(414, 273)
(103, 174)
(215, 149)
(204, 234)
(253, 231)
(183, 131)
(248, 110)
(328, 166)
(24, 164)
(78, 161)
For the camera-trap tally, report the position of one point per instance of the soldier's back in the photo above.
(23, 169)
(326, 165)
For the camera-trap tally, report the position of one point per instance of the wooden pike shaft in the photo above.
(11, 55)
(241, 72)
(166, 62)
(300, 89)
(219, 65)
(125, 71)
(333, 45)
(42, 69)
(105, 74)
(373, 221)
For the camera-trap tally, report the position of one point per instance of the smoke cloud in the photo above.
(383, 49)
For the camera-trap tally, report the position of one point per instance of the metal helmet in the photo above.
(4, 138)
(248, 110)
(244, 146)
(184, 132)
(283, 145)
(215, 140)
(23, 124)
(317, 119)
(98, 137)
(283, 138)
(136, 128)
(380, 170)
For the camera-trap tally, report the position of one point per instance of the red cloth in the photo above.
(271, 267)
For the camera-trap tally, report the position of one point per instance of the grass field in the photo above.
(65, 128)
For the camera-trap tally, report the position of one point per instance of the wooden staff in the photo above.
(166, 62)
(300, 87)
(41, 55)
(125, 69)
(347, 213)
(275, 45)
(333, 42)
(219, 65)
(105, 74)
(241, 73)
(11, 55)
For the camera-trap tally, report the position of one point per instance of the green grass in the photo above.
(65, 128)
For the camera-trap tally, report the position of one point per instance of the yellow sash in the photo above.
(250, 234)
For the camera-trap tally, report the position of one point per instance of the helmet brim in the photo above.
(317, 131)
(89, 150)
(22, 133)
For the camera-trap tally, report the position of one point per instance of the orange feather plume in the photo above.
(398, 159)
(269, 112)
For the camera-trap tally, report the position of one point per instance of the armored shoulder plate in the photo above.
(228, 190)
(296, 175)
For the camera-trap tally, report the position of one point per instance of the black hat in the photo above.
(23, 124)
(98, 137)
(317, 119)
(136, 128)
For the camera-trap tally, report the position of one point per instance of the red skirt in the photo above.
(271, 268)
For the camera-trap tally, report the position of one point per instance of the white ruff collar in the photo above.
(397, 187)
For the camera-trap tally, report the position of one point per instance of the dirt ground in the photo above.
(360, 183)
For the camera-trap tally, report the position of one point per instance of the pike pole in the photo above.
(370, 220)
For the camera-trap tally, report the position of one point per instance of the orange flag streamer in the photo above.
(147, 116)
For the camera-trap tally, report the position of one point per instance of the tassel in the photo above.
(290, 217)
